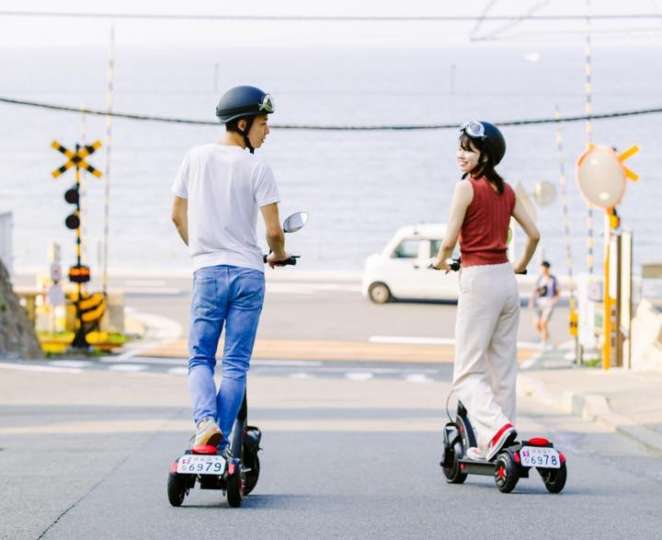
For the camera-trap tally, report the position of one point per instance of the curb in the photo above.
(593, 408)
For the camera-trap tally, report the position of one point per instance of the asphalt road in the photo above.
(85, 454)
(324, 310)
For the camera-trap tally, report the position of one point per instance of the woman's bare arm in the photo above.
(533, 236)
(462, 198)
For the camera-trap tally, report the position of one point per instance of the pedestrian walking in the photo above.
(544, 298)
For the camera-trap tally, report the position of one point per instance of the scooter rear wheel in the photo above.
(235, 488)
(554, 479)
(505, 473)
(176, 489)
(452, 470)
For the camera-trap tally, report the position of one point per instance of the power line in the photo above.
(312, 127)
(324, 18)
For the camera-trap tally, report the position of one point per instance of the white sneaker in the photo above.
(474, 454)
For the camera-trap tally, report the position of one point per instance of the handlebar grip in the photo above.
(291, 261)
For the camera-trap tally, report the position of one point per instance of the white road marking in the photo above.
(127, 367)
(47, 369)
(359, 375)
(301, 375)
(70, 363)
(418, 378)
(413, 340)
(178, 371)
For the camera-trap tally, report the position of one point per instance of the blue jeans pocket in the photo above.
(249, 289)
(204, 295)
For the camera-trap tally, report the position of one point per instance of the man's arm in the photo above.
(275, 235)
(180, 217)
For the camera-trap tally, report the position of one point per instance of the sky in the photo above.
(20, 32)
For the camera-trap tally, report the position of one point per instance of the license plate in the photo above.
(533, 456)
(198, 464)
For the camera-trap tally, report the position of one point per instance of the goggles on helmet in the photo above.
(267, 104)
(473, 128)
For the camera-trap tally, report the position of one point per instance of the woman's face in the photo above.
(467, 158)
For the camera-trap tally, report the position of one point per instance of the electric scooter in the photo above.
(236, 470)
(513, 462)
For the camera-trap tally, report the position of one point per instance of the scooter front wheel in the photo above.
(451, 465)
(252, 476)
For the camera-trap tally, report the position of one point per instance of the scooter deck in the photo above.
(482, 466)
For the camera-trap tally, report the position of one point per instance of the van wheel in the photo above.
(379, 293)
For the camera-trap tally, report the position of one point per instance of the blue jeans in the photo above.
(232, 296)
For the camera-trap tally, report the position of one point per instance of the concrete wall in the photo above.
(647, 336)
(6, 247)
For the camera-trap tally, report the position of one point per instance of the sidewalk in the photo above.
(630, 402)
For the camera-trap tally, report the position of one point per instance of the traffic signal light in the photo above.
(72, 196)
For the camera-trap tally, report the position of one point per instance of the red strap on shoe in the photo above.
(503, 429)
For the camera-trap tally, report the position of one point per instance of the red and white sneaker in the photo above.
(503, 437)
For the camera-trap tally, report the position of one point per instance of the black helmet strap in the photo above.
(244, 133)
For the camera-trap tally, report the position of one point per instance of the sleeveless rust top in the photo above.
(484, 233)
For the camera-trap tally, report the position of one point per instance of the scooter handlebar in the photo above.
(292, 261)
(454, 265)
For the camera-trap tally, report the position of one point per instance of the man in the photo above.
(217, 193)
(545, 296)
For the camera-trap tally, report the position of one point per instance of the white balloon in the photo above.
(601, 177)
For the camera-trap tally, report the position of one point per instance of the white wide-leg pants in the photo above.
(485, 371)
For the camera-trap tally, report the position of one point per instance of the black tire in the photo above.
(505, 473)
(235, 488)
(379, 293)
(453, 472)
(176, 489)
(554, 479)
(252, 476)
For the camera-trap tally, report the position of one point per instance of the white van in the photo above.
(401, 270)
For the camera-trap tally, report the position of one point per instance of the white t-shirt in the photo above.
(225, 185)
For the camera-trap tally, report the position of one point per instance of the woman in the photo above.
(485, 371)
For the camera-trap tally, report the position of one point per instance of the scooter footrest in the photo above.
(205, 449)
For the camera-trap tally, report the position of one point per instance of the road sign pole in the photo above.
(79, 340)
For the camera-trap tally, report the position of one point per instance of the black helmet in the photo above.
(243, 101)
(489, 137)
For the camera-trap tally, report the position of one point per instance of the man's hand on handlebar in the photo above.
(273, 261)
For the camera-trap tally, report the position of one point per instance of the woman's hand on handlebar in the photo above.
(519, 268)
(438, 264)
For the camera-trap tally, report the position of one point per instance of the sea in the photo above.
(358, 186)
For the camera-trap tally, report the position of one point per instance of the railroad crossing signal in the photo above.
(89, 309)
(77, 158)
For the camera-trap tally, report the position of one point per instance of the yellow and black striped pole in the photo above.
(573, 321)
(588, 110)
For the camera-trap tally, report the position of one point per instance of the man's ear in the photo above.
(242, 124)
